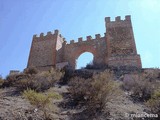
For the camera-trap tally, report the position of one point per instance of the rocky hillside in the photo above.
(81, 95)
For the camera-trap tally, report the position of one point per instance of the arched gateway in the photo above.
(116, 48)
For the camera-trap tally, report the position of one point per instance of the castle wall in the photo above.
(60, 49)
(96, 46)
(122, 49)
(43, 50)
(116, 48)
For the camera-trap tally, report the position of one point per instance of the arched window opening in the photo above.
(84, 59)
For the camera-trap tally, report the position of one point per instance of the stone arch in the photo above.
(80, 50)
(84, 59)
(116, 48)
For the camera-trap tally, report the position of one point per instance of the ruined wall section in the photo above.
(60, 49)
(96, 46)
(43, 50)
(122, 49)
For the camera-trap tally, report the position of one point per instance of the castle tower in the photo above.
(116, 48)
(121, 48)
(46, 51)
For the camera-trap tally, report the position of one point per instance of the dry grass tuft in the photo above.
(41, 101)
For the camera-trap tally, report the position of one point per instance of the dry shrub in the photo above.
(41, 101)
(32, 80)
(141, 86)
(94, 92)
(14, 80)
(78, 88)
(104, 89)
(31, 70)
(154, 102)
(92, 65)
(152, 74)
(41, 81)
(71, 73)
(11, 79)
(1, 81)
(26, 83)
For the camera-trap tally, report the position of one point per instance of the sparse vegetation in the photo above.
(140, 86)
(79, 88)
(10, 80)
(31, 79)
(103, 90)
(13, 80)
(1, 81)
(152, 74)
(92, 65)
(154, 102)
(31, 70)
(41, 81)
(94, 92)
(70, 73)
(41, 101)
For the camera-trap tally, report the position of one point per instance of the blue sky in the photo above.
(20, 19)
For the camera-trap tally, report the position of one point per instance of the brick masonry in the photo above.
(116, 48)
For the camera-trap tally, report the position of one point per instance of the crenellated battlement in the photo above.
(98, 36)
(117, 19)
(116, 48)
(49, 34)
(72, 41)
(80, 39)
(88, 38)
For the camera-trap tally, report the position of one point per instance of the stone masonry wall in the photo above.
(96, 46)
(43, 50)
(116, 48)
(122, 49)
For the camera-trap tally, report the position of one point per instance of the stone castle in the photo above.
(116, 48)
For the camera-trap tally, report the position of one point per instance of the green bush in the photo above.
(41, 101)
(154, 102)
(95, 92)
